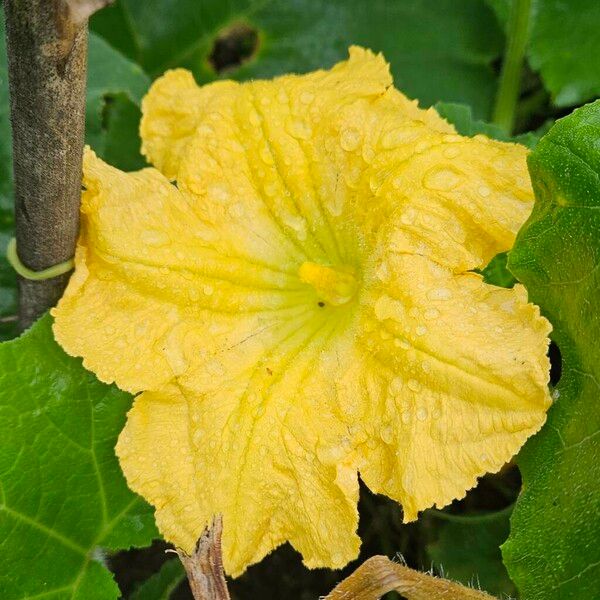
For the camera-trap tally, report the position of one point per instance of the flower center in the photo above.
(335, 285)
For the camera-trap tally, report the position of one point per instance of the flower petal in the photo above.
(151, 274)
(458, 380)
(175, 105)
(274, 468)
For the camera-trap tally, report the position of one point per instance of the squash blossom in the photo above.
(300, 307)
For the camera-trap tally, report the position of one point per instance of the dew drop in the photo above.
(451, 152)
(266, 156)
(155, 237)
(208, 290)
(422, 414)
(306, 97)
(350, 139)
(405, 416)
(431, 314)
(421, 330)
(414, 385)
(397, 137)
(484, 191)
(298, 128)
(396, 385)
(441, 178)
(439, 294)
(254, 119)
(218, 192)
(426, 366)
(387, 434)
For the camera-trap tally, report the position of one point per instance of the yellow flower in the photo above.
(301, 307)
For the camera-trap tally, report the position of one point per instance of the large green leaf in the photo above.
(63, 497)
(468, 549)
(553, 550)
(565, 47)
(438, 51)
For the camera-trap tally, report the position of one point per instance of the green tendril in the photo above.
(26, 273)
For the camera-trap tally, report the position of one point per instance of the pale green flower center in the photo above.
(335, 285)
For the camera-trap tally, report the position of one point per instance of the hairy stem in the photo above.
(204, 567)
(47, 57)
(379, 575)
(510, 78)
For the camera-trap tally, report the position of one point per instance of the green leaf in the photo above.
(162, 584)
(438, 51)
(553, 550)
(461, 116)
(8, 279)
(565, 46)
(63, 498)
(468, 550)
(113, 81)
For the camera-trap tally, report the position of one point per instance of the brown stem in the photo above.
(47, 57)
(379, 575)
(204, 567)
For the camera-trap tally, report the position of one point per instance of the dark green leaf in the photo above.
(121, 134)
(110, 74)
(553, 551)
(8, 280)
(461, 116)
(468, 550)
(63, 496)
(162, 584)
(565, 46)
(441, 50)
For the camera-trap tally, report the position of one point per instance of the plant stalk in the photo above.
(47, 58)
(204, 567)
(512, 67)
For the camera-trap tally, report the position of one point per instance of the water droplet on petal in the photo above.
(401, 135)
(298, 128)
(431, 313)
(350, 139)
(306, 97)
(441, 178)
(254, 118)
(208, 290)
(421, 330)
(422, 414)
(155, 237)
(387, 434)
(484, 191)
(266, 156)
(396, 385)
(451, 152)
(414, 385)
(439, 294)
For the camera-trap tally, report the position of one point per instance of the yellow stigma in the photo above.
(335, 285)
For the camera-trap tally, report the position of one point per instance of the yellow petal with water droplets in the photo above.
(456, 380)
(297, 309)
